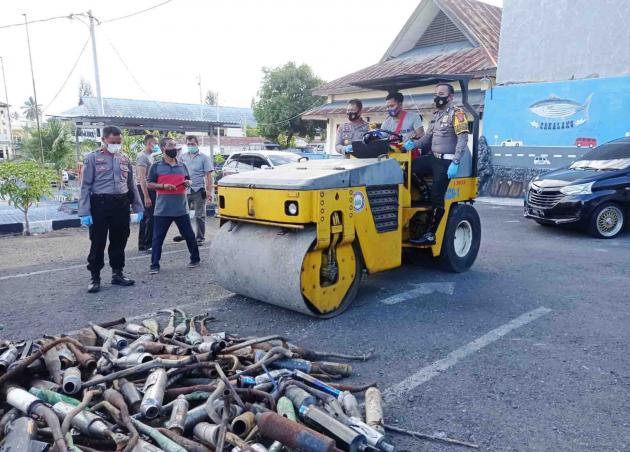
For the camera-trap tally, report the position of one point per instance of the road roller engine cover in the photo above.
(299, 236)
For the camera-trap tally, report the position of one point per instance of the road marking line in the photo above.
(520, 155)
(427, 373)
(421, 289)
(513, 221)
(497, 155)
(508, 155)
(531, 155)
(557, 155)
(72, 267)
(572, 156)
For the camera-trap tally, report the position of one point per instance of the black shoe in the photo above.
(425, 239)
(193, 264)
(95, 284)
(178, 238)
(154, 270)
(121, 280)
(200, 242)
(141, 248)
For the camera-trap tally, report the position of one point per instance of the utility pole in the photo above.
(6, 96)
(97, 78)
(30, 58)
(200, 90)
(218, 130)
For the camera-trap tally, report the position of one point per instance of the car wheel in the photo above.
(462, 238)
(606, 221)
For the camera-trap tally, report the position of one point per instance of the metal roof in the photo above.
(480, 22)
(162, 115)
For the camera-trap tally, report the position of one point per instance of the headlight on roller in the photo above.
(580, 189)
(291, 208)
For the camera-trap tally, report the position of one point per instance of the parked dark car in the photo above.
(592, 192)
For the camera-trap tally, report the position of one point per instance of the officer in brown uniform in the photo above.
(107, 191)
(353, 130)
(444, 144)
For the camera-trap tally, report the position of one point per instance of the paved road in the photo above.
(526, 351)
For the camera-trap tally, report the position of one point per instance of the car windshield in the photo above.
(278, 160)
(607, 157)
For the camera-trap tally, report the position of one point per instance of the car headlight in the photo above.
(580, 189)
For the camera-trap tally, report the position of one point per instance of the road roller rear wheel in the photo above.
(325, 298)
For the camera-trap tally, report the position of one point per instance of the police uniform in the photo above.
(107, 190)
(445, 141)
(350, 131)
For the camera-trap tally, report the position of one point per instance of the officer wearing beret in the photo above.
(107, 191)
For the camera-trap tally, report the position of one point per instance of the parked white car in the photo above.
(511, 142)
(257, 160)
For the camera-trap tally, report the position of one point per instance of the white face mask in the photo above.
(114, 148)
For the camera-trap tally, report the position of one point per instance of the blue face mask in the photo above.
(155, 149)
(393, 111)
(193, 149)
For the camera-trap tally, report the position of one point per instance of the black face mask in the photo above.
(172, 153)
(352, 116)
(440, 101)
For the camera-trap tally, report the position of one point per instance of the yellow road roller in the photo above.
(300, 236)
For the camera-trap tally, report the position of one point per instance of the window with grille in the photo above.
(441, 31)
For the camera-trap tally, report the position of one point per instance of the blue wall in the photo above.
(556, 114)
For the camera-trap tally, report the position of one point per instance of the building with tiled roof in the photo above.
(440, 37)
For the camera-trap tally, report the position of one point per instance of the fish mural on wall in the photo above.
(560, 113)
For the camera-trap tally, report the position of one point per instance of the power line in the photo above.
(69, 16)
(74, 66)
(136, 13)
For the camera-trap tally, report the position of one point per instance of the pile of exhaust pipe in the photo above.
(174, 384)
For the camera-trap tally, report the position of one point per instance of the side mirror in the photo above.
(265, 167)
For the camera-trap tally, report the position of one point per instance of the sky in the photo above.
(160, 54)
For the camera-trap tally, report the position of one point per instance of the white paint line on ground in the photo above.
(531, 155)
(513, 221)
(421, 289)
(520, 155)
(71, 267)
(557, 155)
(601, 250)
(427, 373)
(572, 156)
(507, 155)
(497, 155)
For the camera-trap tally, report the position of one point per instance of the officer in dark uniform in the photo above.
(353, 130)
(107, 190)
(447, 139)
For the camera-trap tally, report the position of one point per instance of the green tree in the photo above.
(285, 94)
(88, 145)
(58, 143)
(85, 89)
(131, 145)
(30, 110)
(252, 131)
(24, 183)
(210, 98)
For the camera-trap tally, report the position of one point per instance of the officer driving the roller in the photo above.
(444, 144)
(353, 130)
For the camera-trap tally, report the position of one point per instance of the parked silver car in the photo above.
(256, 160)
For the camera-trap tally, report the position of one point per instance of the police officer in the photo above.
(447, 139)
(353, 130)
(107, 190)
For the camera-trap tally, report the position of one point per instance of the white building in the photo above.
(6, 150)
